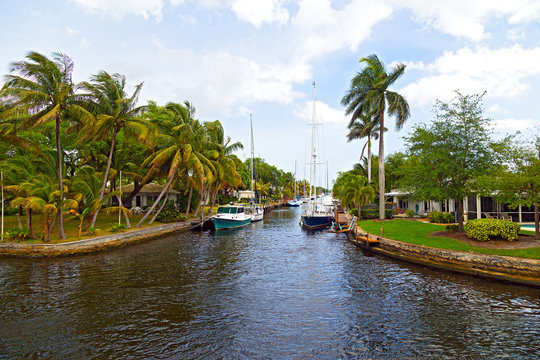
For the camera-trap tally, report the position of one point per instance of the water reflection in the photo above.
(268, 290)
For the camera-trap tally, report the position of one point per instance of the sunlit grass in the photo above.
(416, 232)
(71, 227)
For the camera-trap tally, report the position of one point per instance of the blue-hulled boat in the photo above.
(230, 217)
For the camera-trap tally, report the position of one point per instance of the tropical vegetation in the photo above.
(69, 147)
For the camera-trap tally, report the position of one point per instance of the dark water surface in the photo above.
(269, 290)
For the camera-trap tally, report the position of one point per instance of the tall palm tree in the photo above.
(44, 91)
(115, 111)
(365, 126)
(369, 94)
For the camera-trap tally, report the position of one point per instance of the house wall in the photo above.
(146, 199)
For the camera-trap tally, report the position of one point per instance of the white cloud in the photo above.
(215, 82)
(119, 8)
(515, 124)
(260, 11)
(476, 71)
(498, 109)
(324, 113)
(466, 18)
(71, 31)
(321, 29)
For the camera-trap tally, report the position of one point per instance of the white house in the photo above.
(474, 207)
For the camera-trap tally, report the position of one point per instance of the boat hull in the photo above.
(316, 222)
(258, 216)
(222, 224)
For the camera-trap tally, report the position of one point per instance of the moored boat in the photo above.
(319, 211)
(256, 212)
(231, 216)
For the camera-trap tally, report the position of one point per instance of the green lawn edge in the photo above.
(417, 232)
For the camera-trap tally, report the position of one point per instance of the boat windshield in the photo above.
(226, 210)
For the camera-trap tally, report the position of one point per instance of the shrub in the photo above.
(170, 214)
(16, 234)
(374, 214)
(114, 228)
(409, 212)
(452, 227)
(92, 230)
(486, 229)
(440, 217)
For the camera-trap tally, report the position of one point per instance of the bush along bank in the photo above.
(486, 229)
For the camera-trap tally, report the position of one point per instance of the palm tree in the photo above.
(226, 174)
(365, 126)
(356, 191)
(43, 91)
(369, 94)
(115, 111)
(187, 148)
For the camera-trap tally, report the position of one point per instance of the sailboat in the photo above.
(319, 212)
(295, 202)
(254, 210)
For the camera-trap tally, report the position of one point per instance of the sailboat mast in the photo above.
(294, 179)
(312, 152)
(252, 150)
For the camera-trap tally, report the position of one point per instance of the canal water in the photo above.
(266, 291)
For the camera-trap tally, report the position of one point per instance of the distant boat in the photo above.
(295, 200)
(230, 217)
(255, 211)
(294, 203)
(319, 212)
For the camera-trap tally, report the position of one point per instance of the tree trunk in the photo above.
(136, 189)
(460, 216)
(61, 233)
(189, 200)
(369, 159)
(213, 202)
(29, 223)
(165, 189)
(536, 222)
(381, 168)
(19, 213)
(126, 217)
(165, 199)
(201, 202)
(106, 176)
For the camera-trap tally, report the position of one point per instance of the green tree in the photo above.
(356, 191)
(115, 111)
(448, 154)
(362, 127)
(518, 180)
(369, 94)
(43, 92)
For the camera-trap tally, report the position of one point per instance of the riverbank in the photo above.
(99, 243)
(499, 267)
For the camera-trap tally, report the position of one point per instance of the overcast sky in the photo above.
(231, 58)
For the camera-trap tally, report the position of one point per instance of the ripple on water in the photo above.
(268, 290)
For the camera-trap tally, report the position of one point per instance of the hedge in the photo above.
(486, 229)
(374, 214)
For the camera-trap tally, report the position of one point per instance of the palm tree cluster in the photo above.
(367, 100)
(67, 143)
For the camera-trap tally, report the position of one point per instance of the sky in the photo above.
(233, 58)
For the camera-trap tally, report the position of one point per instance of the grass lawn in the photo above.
(71, 227)
(416, 232)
